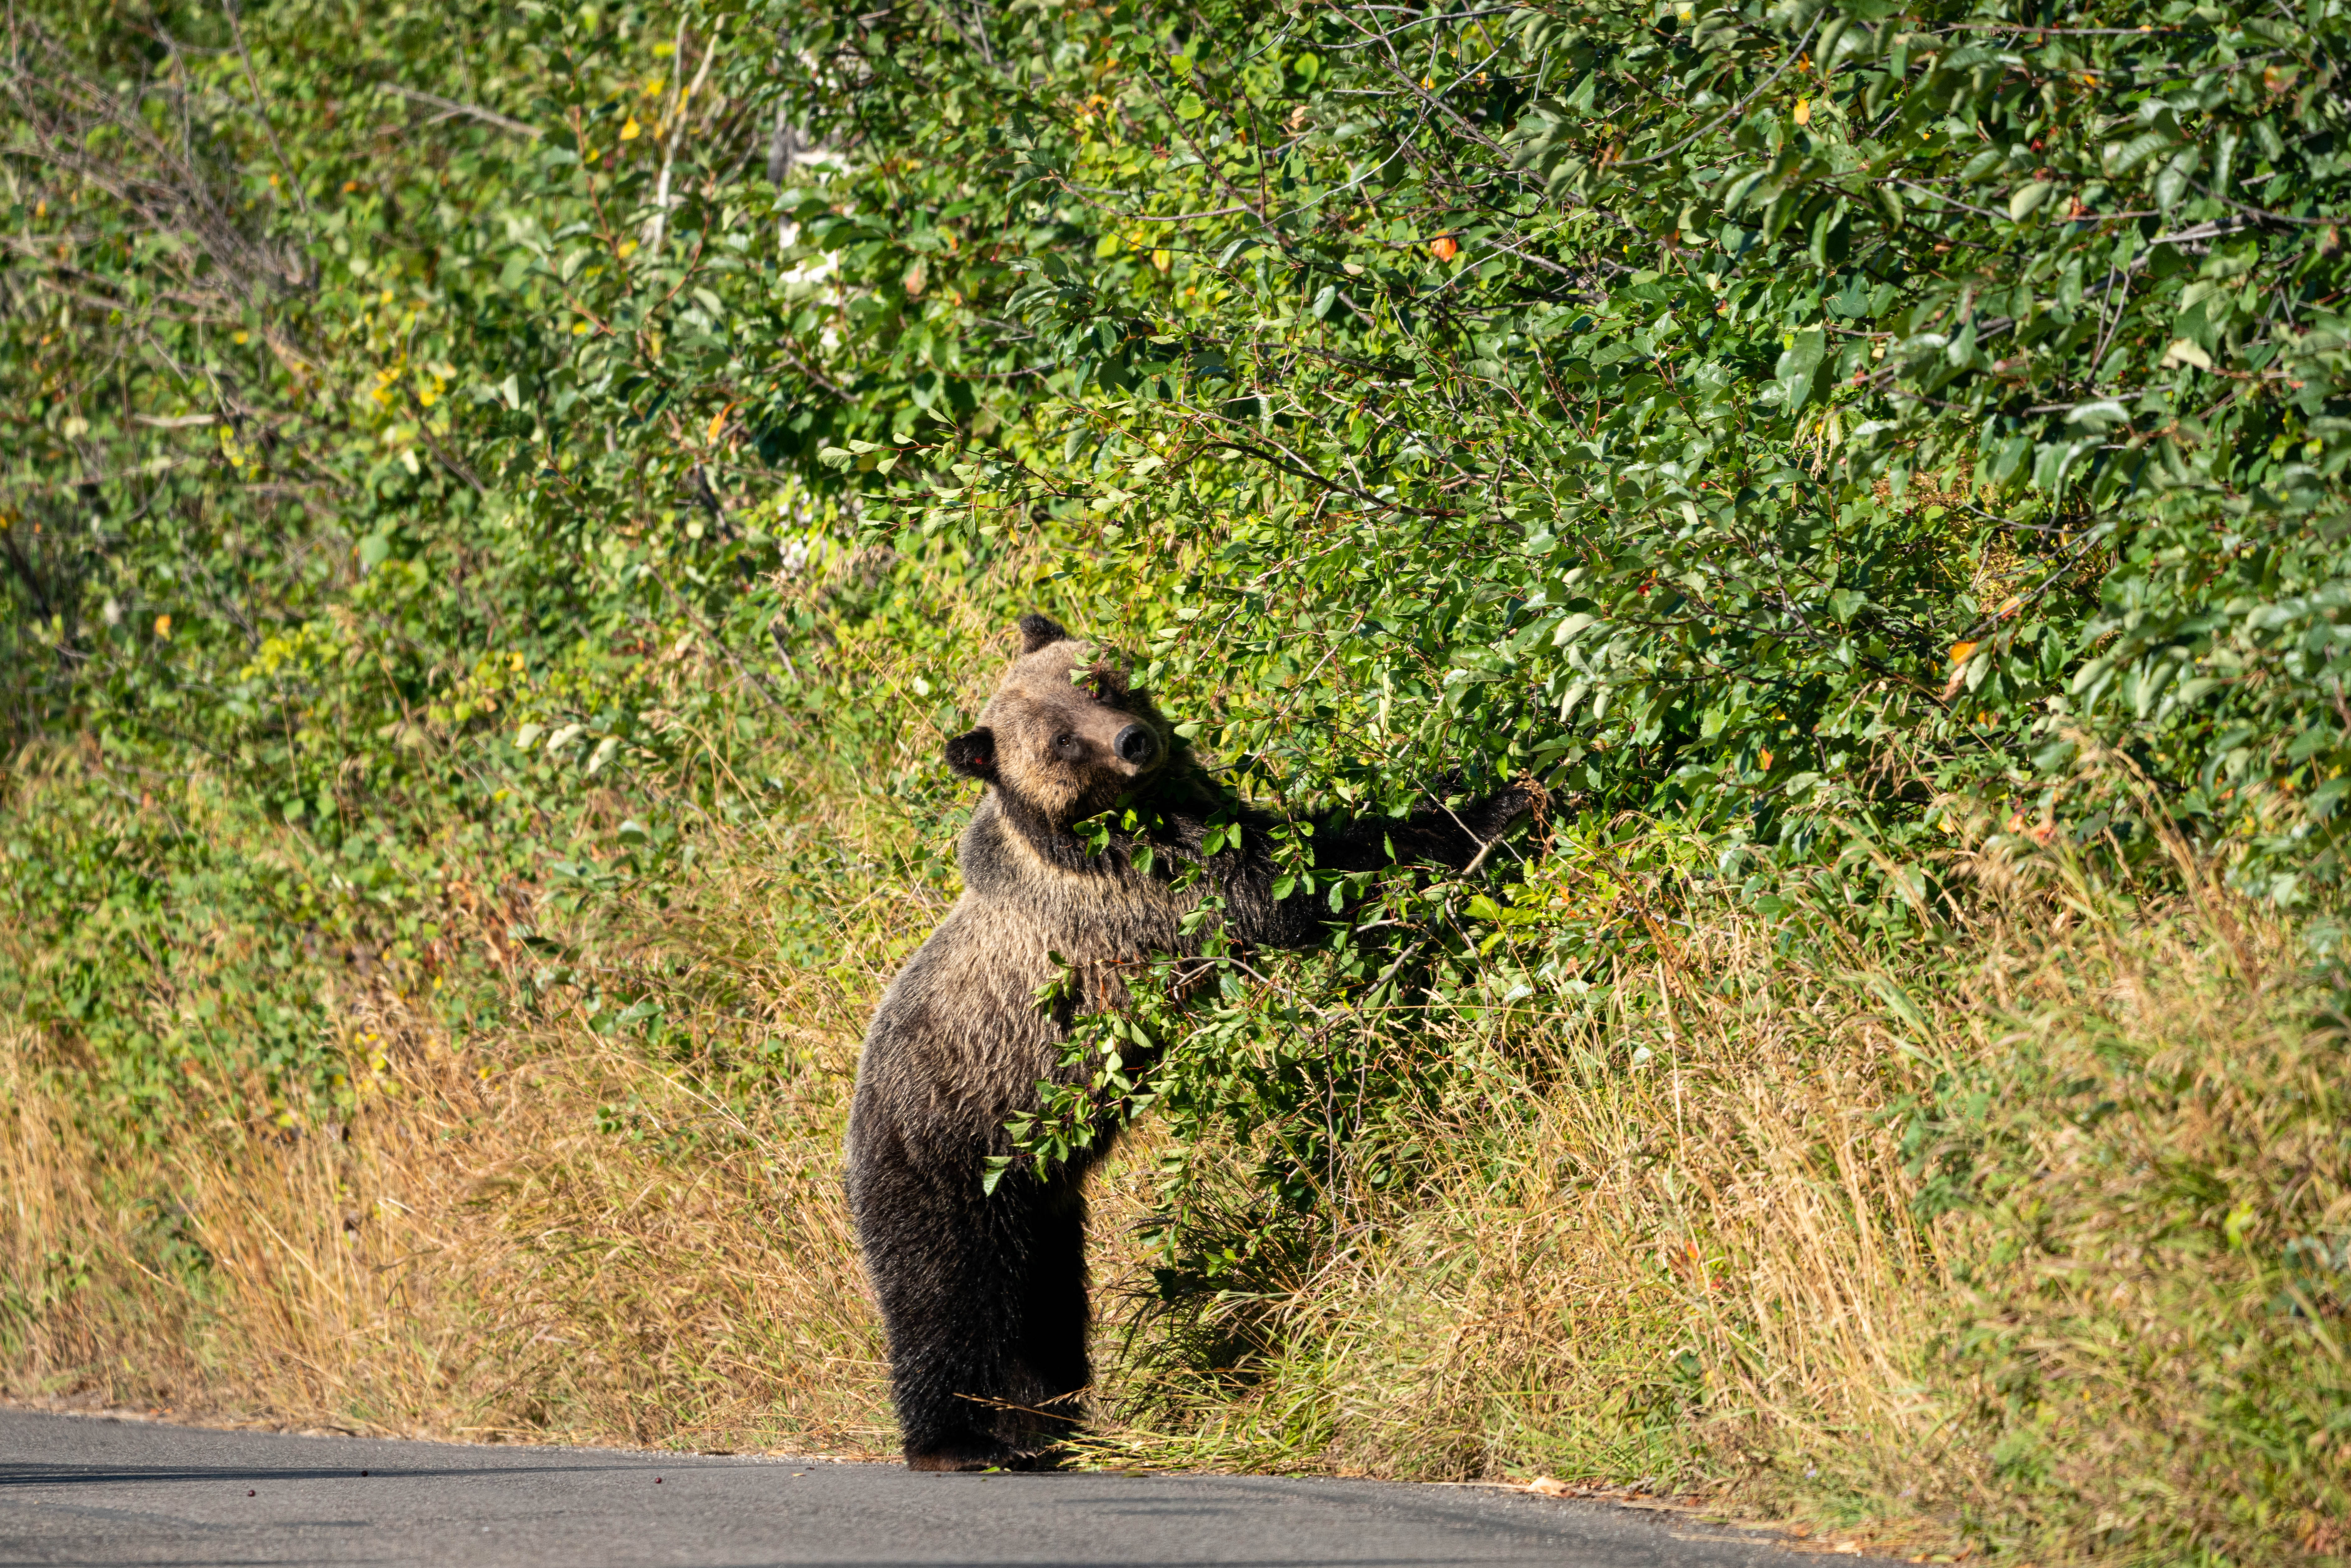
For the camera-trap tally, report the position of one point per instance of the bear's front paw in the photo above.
(1517, 799)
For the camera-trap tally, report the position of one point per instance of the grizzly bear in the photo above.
(983, 1294)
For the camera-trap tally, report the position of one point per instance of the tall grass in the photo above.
(2029, 1239)
(2027, 1235)
(542, 1230)
(556, 1223)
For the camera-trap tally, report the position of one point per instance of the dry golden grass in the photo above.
(1716, 1270)
(547, 1229)
(478, 1251)
(1613, 1271)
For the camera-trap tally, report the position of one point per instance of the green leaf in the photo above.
(992, 1171)
(1798, 366)
(2172, 183)
(2121, 156)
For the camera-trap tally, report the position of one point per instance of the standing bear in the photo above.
(984, 1294)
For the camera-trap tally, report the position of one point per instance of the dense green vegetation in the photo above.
(1779, 421)
(463, 461)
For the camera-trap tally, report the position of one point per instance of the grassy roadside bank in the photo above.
(560, 1157)
(1989, 1248)
(558, 1226)
(2000, 1243)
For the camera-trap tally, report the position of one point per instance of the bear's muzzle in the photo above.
(1137, 745)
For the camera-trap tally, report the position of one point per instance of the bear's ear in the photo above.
(973, 753)
(1038, 631)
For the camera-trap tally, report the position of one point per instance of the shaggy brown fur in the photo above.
(984, 1296)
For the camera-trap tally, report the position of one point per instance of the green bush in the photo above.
(1804, 436)
(1793, 420)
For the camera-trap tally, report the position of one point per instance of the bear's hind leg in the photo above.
(1021, 1322)
(934, 1265)
(983, 1297)
(1049, 1363)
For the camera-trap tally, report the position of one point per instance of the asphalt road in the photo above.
(92, 1490)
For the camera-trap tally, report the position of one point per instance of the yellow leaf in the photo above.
(2186, 351)
(1803, 115)
(1959, 651)
(1443, 248)
(631, 131)
(1763, 754)
(718, 420)
(163, 627)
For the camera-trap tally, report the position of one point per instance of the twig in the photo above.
(450, 106)
(1794, 54)
(658, 225)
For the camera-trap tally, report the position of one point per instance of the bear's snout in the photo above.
(1136, 745)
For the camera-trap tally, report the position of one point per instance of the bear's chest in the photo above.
(1098, 918)
(1090, 910)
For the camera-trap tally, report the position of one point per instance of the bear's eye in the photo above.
(1068, 747)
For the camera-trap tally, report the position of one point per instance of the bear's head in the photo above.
(1064, 736)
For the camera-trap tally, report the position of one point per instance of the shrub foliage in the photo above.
(1795, 432)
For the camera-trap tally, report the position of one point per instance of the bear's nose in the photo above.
(1136, 745)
